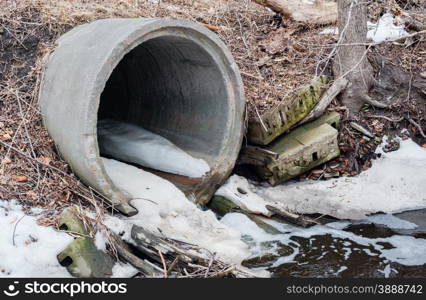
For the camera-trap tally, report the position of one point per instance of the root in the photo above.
(372, 102)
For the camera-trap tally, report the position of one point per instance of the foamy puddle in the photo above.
(381, 246)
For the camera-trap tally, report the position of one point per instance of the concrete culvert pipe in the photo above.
(172, 77)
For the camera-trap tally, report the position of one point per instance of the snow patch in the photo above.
(132, 143)
(385, 29)
(237, 189)
(31, 250)
(388, 186)
(100, 241)
(121, 270)
(333, 30)
(162, 206)
(390, 221)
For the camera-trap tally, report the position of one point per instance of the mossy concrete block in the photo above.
(82, 259)
(69, 221)
(331, 118)
(222, 206)
(272, 124)
(302, 149)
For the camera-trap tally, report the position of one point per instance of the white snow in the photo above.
(390, 221)
(237, 189)
(121, 270)
(32, 250)
(36, 247)
(395, 183)
(100, 241)
(132, 143)
(162, 206)
(385, 29)
(332, 30)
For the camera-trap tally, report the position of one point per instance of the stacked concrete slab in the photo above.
(279, 155)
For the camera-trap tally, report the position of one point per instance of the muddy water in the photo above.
(380, 246)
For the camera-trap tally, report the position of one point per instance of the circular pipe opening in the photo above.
(172, 77)
(173, 87)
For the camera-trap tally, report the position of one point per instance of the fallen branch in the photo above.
(325, 100)
(361, 129)
(418, 127)
(367, 99)
(317, 12)
(386, 118)
(145, 267)
(293, 218)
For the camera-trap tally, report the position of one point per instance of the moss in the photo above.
(82, 259)
(222, 206)
(294, 111)
(69, 221)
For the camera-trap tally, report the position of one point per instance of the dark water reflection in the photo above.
(358, 250)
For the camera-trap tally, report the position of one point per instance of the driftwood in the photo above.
(318, 12)
(293, 218)
(145, 267)
(223, 206)
(157, 256)
(325, 100)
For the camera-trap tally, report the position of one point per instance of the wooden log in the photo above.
(145, 267)
(317, 12)
(293, 218)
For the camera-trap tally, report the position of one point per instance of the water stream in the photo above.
(383, 245)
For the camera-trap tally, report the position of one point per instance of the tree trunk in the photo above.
(351, 60)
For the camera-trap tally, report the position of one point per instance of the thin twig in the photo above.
(418, 127)
(34, 159)
(164, 263)
(386, 118)
(14, 229)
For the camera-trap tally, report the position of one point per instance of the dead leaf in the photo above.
(48, 221)
(45, 159)
(5, 137)
(20, 178)
(6, 161)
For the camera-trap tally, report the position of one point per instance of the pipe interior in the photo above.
(173, 87)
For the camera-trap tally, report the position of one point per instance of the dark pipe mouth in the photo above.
(170, 85)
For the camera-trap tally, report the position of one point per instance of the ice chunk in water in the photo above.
(134, 144)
